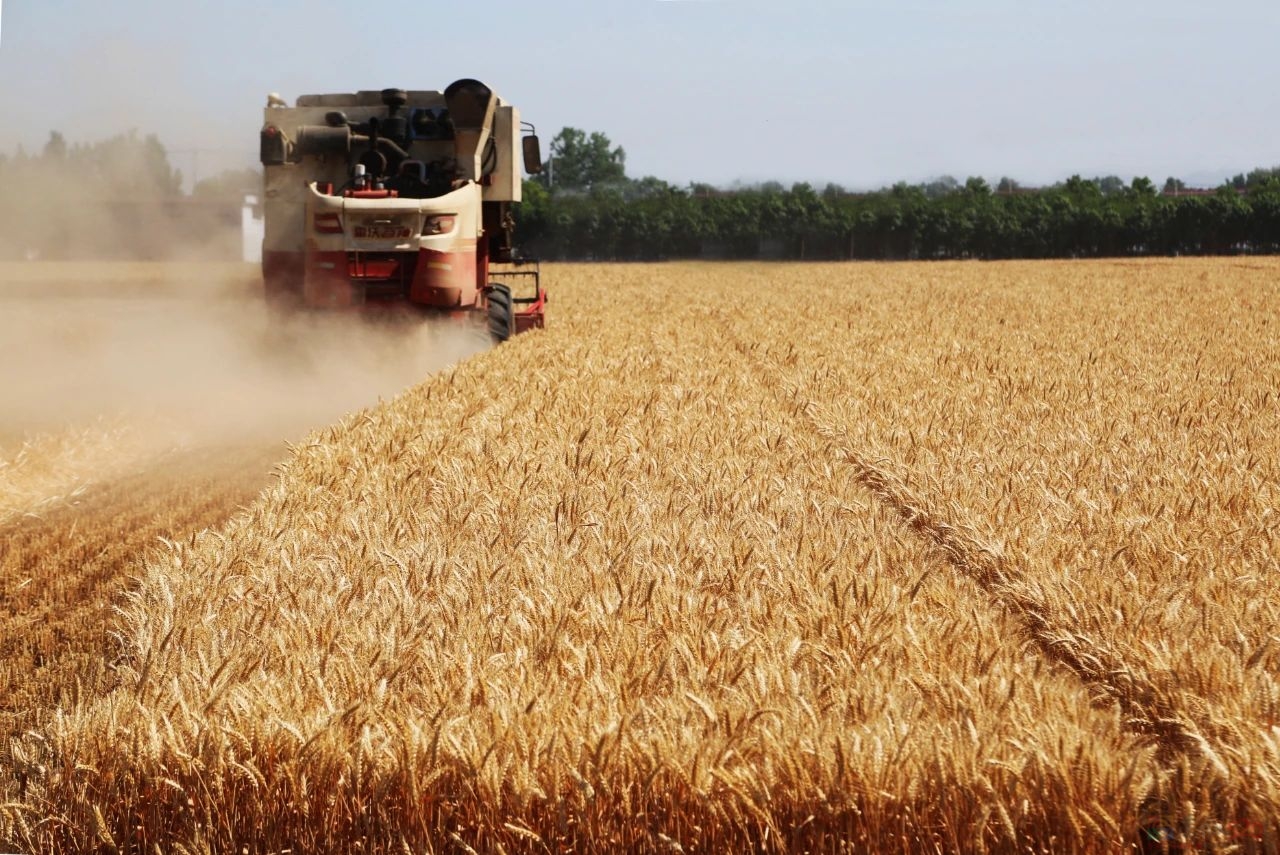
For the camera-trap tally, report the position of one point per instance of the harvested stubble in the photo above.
(63, 570)
(52, 468)
(688, 572)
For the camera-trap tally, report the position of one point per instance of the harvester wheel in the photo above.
(501, 319)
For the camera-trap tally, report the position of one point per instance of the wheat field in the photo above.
(732, 557)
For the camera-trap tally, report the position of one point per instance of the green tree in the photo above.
(1142, 186)
(582, 161)
(611, 217)
(648, 187)
(1259, 177)
(941, 186)
(1081, 188)
(1111, 184)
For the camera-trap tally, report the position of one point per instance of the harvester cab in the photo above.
(399, 198)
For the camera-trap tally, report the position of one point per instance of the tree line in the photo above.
(88, 199)
(585, 207)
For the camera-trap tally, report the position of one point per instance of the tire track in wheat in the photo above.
(1148, 709)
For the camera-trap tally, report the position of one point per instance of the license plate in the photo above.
(382, 232)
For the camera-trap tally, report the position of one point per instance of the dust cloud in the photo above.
(192, 363)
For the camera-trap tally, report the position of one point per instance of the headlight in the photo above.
(439, 225)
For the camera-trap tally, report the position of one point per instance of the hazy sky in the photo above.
(858, 93)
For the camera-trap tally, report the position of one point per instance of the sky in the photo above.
(858, 93)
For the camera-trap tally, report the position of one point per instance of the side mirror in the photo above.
(532, 155)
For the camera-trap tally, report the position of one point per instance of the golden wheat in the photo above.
(793, 557)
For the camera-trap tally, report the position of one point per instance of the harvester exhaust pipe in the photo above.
(471, 107)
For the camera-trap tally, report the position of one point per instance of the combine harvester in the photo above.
(399, 199)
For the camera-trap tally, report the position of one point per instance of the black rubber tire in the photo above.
(502, 322)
